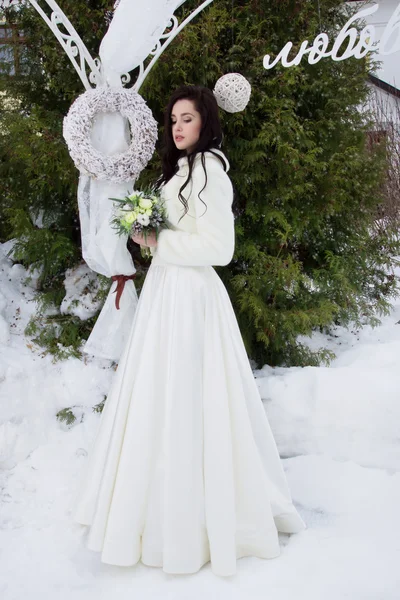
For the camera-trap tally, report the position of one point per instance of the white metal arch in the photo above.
(80, 56)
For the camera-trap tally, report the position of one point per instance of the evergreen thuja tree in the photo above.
(308, 184)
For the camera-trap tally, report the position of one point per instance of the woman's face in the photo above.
(185, 125)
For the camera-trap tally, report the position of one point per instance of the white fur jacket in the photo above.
(204, 236)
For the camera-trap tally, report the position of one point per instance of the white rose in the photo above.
(143, 219)
(145, 203)
(122, 210)
(130, 217)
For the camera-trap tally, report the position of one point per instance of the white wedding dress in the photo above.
(184, 468)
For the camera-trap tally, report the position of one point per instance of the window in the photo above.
(376, 137)
(11, 50)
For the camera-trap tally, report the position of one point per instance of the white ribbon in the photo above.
(133, 32)
(103, 249)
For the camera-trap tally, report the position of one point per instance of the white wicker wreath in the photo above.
(122, 166)
(232, 92)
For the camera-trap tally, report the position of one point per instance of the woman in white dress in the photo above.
(184, 468)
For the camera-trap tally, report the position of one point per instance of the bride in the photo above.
(184, 468)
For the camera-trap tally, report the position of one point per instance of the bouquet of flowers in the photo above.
(141, 212)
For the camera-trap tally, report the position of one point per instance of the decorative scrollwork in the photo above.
(80, 56)
(167, 38)
(71, 42)
(174, 24)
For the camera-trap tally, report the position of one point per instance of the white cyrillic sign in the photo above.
(358, 43)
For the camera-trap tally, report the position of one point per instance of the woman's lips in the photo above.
(179, 138)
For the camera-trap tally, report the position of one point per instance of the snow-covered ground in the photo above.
(337, 430)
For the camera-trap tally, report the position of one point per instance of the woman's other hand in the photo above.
(150, 241)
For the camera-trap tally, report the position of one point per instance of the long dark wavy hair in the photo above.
(210, 136)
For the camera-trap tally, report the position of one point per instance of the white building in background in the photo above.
(386, 79)
(389, 71)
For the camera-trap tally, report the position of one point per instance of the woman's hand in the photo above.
(150, 241)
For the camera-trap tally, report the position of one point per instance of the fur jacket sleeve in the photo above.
(206, 235)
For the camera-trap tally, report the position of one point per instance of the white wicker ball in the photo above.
(232, 92)
(122, 166)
